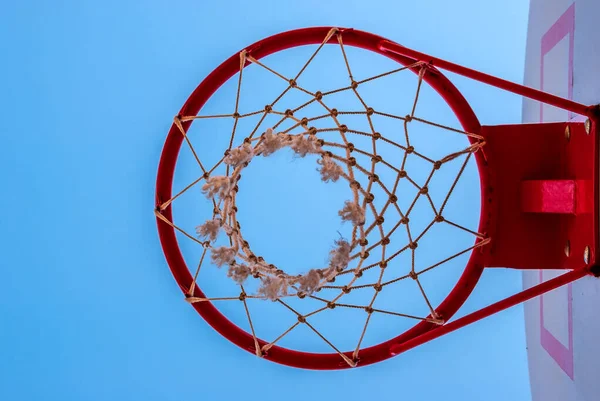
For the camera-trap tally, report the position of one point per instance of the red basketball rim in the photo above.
(192, 106)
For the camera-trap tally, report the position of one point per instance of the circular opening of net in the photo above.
(395, 158)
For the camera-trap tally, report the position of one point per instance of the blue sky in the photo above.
(88, 307)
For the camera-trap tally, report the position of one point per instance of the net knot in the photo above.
(355, 185)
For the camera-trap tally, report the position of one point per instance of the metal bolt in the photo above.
(568, 133)
(588, 126)
(568, 248)
(586, 255)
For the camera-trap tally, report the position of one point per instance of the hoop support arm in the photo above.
(499, 306)
(513, 87)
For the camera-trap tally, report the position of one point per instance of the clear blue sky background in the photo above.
(88, 307)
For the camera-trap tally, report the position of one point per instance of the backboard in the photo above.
(563, 57)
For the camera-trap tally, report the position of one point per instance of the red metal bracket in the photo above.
(542, 194)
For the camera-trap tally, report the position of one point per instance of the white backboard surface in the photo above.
(563, 57)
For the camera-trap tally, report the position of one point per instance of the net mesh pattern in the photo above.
(337, 154)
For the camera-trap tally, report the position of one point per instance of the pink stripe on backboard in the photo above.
(565, 25)
(561, 354)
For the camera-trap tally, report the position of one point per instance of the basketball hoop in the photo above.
(535, 198)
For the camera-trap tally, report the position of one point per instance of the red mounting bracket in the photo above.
(544, 194)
